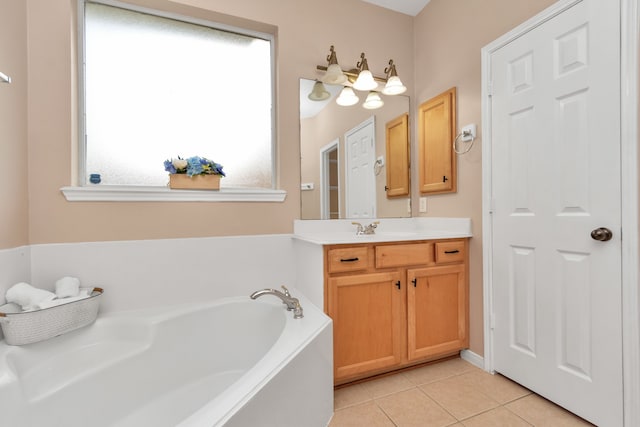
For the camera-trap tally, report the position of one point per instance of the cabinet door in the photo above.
(397, 144)
(367, 322)
(436, 311)
(436, 130)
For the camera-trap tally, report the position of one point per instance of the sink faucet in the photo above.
(369, 229)
(291, 302)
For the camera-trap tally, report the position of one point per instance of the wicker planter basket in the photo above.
(21, 328)
(197, 182)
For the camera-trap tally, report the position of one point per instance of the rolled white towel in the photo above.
(67, 287)
(55, 302)
(27, 296)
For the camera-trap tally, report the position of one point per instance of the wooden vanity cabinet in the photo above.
(395, 304)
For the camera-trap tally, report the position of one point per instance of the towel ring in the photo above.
(377, 167)
(464, 133)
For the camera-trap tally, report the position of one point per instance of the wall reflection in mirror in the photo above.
(354, 160)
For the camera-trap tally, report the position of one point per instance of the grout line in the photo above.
(517, 415)
(438, 403)
(385, 413)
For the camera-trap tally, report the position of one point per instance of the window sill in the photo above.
(120, 193)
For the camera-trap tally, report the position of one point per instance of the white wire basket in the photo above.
(28, 327)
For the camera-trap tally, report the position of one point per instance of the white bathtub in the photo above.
(232, 362)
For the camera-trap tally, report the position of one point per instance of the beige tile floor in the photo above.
(449, 393)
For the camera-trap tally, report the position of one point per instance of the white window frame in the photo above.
(85, 192)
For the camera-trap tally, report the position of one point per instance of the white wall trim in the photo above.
(473, 358)
(630, 69)
(630, 46)
(121, 193)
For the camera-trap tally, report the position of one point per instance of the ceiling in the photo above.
(408, 7)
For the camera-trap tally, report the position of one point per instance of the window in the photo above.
(157, 87)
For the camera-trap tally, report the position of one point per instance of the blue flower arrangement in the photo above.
(193, 166)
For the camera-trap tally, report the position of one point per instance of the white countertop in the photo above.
(389, 230)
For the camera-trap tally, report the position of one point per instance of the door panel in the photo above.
(367, 319)
(556, 177)
(436, 133)
(360, 179)
(436, 311)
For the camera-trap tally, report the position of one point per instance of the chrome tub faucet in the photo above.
(369, 229)
(292, 303)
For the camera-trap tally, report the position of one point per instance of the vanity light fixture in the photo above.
(334, 74)
(319, 92)
(365, 79)
(361, 79)
(394, 85)
(347, 97)
(373, 101)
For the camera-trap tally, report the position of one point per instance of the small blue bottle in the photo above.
(94, 178)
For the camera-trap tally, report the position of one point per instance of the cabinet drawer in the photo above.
(347, 259)
(450, 252)
(403, 255)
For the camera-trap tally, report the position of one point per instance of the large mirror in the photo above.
(345, 163)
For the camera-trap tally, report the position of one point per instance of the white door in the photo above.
(360, 194)
(555, 119)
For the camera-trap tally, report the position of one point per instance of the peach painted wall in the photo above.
(14, 212)
(441, 45)
(448, 37)
(304, 34)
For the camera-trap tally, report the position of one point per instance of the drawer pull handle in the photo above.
(415, 282)
(455, 251)
(398, 284)
(349, 259)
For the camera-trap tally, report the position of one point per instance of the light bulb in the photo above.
(347, 97)
(365, 81)
(319, 92)
(373, 101)
(394, 86)
(334, 75)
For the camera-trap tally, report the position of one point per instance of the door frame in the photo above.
(629, 71)
(324, 178)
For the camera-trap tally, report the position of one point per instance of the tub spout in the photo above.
(292, 303)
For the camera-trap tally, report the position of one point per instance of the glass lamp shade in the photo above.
(334, 75)
(373, 101)
(319, 92)
(347, 97)
(365, 81)
(394, 86)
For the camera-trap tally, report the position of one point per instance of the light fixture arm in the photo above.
(362, 65)
(332, 58)
(390, 71)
